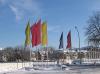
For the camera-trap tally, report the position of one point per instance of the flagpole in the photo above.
(63, 55)
(61, 47)
(37, 56)
(63, 50)
(47, 55)
(30, 54)
(42, 57)
(47, 50)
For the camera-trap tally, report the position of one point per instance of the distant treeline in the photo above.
(20, 54)
(10, 54)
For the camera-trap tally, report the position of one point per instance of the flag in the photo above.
(44, 34)
(61, 41)
(27, 33)
(33, 33)
(36, 33)
(69, 40)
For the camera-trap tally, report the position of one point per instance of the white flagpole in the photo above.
(63, 55)
(42, 55)
(30, 55)
(63, 52)
(37, 55)
(47, 56)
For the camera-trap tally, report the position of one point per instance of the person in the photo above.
(94, 62)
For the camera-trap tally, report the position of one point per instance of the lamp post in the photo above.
(79, 41)
(78, 36)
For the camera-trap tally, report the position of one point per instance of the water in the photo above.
(75, 71)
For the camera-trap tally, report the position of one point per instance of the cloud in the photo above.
(54, 28)
(16, 12)
(22, 8)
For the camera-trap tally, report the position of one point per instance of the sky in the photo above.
(61, 16)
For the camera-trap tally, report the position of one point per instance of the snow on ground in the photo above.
(6, 67)
(9, 67)
(27, 68)
(32, 71)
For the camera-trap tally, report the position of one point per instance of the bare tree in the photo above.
(93, 29)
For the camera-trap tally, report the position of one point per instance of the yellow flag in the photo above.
(44, 34)
(27, 32)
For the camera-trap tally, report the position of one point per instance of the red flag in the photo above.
(69, 40)
(33, 34)
(36, 33)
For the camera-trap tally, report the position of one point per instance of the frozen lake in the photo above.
(76, 71)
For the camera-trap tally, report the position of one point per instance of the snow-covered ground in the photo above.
(6, 67)
(32, 71)
(27, 68)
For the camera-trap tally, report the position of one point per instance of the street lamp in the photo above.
(78, 36)
(79, 43)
